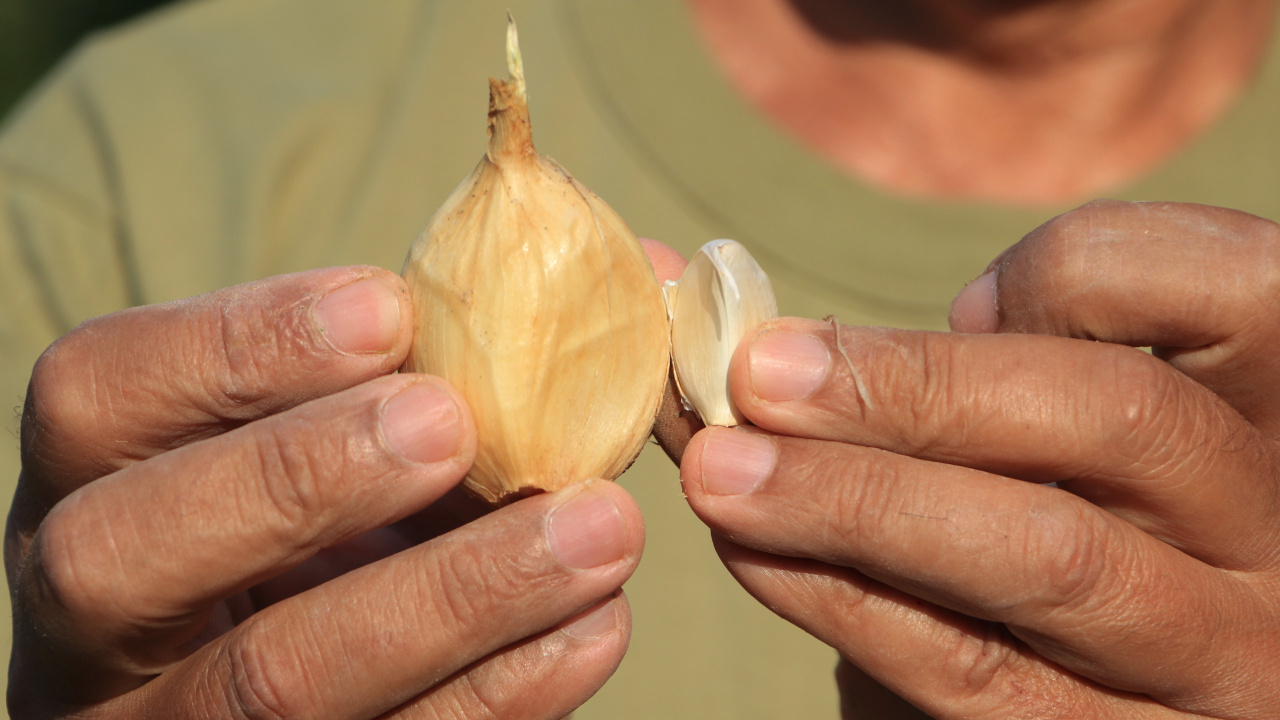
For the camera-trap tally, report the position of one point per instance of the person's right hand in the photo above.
(221, 514)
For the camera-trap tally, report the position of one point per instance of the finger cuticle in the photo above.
(735, 462)
(422, 423)
(361, 317)
(587, 530)
(787, 366)
(974, 309)
(599, 622)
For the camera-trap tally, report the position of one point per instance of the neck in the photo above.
(1015, 101)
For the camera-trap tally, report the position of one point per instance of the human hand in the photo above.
(896, 501)
(228, 509)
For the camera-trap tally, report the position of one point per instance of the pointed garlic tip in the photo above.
(515, 63)
(510, 133)
(722, 296)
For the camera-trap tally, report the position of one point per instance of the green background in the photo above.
(34, 34)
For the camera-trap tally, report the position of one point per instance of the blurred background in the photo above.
(34, 34)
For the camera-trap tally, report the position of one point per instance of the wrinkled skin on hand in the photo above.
(230, 507)
(897, 498)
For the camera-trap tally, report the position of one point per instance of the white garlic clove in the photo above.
(722, 295)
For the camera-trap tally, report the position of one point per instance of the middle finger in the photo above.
(1082, 587)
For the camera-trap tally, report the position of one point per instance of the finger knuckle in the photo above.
(72, 568)
(866, 488)
(1088, 222)
(469, 585)
(62, 394)
(986, 676)
(974, 663)
(924, 389)
(917, 383)
(1060, 251)
(472, 702)
(290, 477)
(261, 681)
(1267, 241)
(46, 378)
(1145, 409)
(255, 342)
(1067, 547)
(939, 394)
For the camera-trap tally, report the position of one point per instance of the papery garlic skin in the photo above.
(534, 299)
(722, 295)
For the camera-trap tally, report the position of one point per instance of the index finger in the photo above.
(667, 262)
(132, 384)
(1119, 426)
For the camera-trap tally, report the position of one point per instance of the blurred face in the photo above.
(946, 24)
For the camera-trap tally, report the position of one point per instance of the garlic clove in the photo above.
(722, 295)
(535, 300)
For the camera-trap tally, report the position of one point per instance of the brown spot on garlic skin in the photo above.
(674, 426)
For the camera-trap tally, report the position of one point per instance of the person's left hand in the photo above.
(896, 502)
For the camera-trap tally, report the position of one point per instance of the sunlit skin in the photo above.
(1037, 102)
(892, 498)
(226, 501)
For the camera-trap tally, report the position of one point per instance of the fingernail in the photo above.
(422, 423)
(974, 309)
(586, 531)
(736, 462)
(595, 623)
(785, 366)
(361, 317)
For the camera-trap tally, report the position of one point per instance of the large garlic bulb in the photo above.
(535, 300)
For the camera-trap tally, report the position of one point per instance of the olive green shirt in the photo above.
(220, 141)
